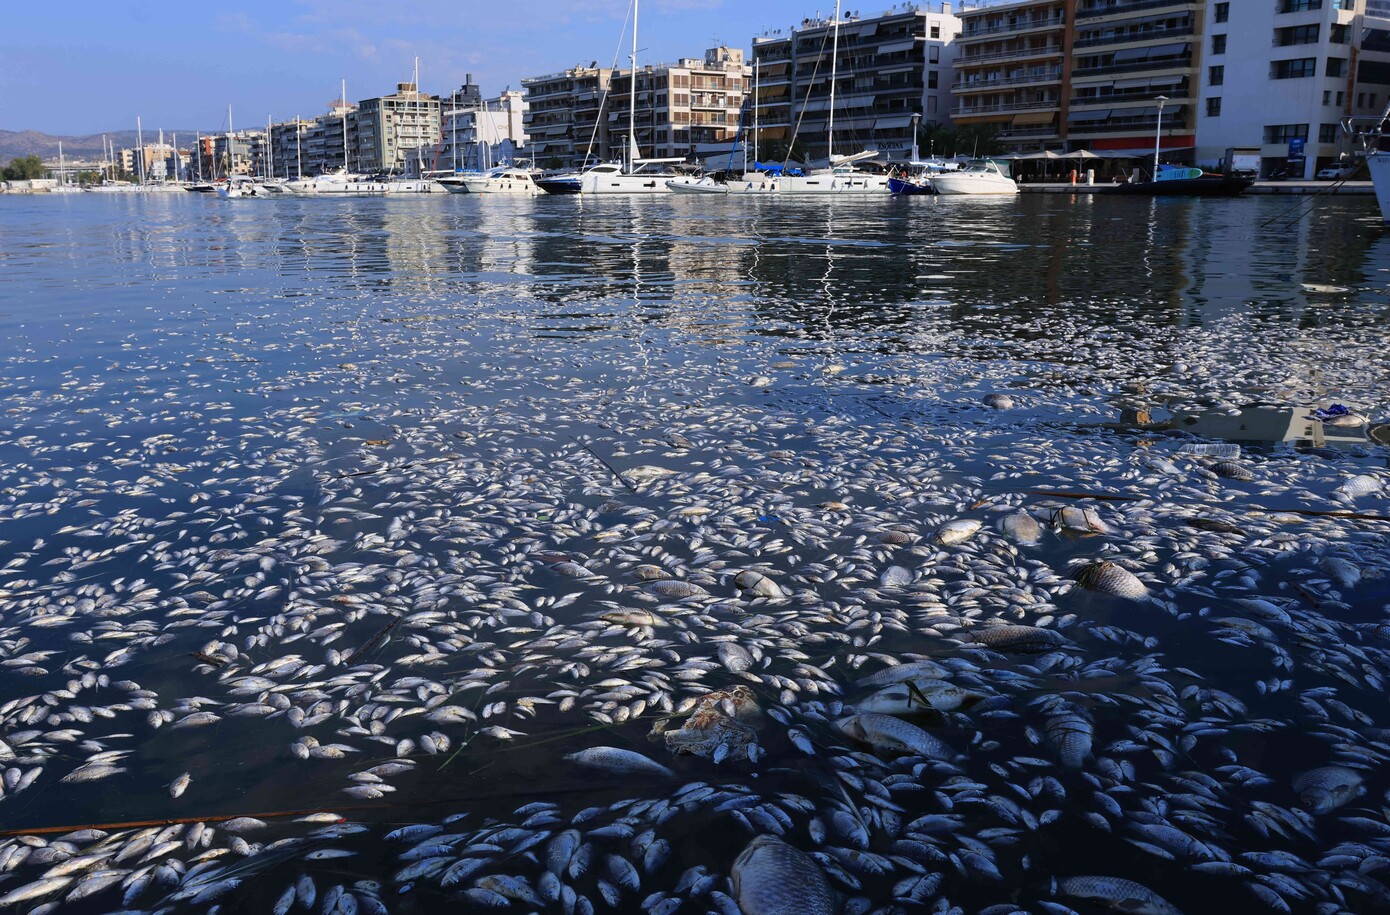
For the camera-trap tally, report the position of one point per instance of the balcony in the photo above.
(1135, 120)
(1138, 94)
(1026, 133)
(970, 60)
(1003, 108)
(1162, 63)
(985, 85)
(1118, 8)
(1132, 37)
(1013, 27)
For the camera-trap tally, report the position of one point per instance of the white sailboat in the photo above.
(841, 178)
(636, 175)
(339, 182)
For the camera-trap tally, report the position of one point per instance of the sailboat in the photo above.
(635, 175)
(841, 178)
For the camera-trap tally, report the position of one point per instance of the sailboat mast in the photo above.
(632, 95)
(298, 152)
(140, 159)
(834, 64)
(62, 172)
(345, 155)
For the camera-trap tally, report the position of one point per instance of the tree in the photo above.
(781, 151)
(89, 177)
(24, 168)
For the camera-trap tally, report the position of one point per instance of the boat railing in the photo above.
(1366, 129)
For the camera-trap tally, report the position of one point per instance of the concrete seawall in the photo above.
(1291, 188)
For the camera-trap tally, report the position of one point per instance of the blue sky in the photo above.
(93, 65)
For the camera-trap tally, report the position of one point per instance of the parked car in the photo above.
(1340, 172)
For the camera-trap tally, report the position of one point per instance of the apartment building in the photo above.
(322, 147)
(288, 140)
(389, 125)
(481, 133)
(1126, 54)
(692, 102)
(1013, 68)
(562, 118)
(1280, 75)
(892, 70)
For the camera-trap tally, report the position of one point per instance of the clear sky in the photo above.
(86, 66)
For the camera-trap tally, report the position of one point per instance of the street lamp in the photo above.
(915, 153)
(1158, 133)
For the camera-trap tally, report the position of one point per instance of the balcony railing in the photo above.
(984, 85)
(1018, 25)
(1148, 35)
(1024, 133)
(1144, 94)
(1163, 63)
(1011, 54)
(1111, 9)
(1117, 125)
(1000, 107)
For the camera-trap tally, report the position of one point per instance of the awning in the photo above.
(897, 46)
(868, 29)
(1163, 50)
(1128, 55)
(1130, 83)
(814, 105)
(1077, 117)
(1033, 117)
(892, 123)
(772, 133)
(855, 101)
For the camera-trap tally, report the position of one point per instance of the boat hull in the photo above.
(566, 184)
(1207, 186)
(973, 185)
(1379, 164)
(904, 188)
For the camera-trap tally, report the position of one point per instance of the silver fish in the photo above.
(771, 877)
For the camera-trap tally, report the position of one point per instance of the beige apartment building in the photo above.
(692, 102)
(562, 119)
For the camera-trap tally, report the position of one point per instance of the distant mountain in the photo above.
(33, 143)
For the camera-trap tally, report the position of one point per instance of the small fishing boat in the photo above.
(1179, 181)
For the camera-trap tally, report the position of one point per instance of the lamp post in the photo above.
(915, 152)
(1158, 133)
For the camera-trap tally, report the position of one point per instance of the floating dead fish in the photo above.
(1021, 527)
(999, 401)
(1107, 578)
(771, 877)
(1324, 790)
(759, 585)
(1118, 894)
(892, 735)
(675, 589)
(1230, 470)
(618, 761)
(957, 531)
(1015, 638)
(1080, 519)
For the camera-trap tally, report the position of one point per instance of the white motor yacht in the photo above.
(502, 180)
(983, 177)
(239, 186)
(649, 176)
(336, 184)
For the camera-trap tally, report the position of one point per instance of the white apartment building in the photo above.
(484, 133)
(1280, 74)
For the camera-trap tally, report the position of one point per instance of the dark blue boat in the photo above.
(907, 187)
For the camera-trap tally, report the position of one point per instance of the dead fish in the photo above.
(895, 577)
(1105, 577)
(1118, 894)
(883, 732)
(632, 618)
(649, 572)
(1082, 519)
(771, 877)
(758, 584)
(1021, 527)
(675, 588)
(1213, 525)
(179, 785)
(1015, 638)
(37, 889)
(1325, 789)
(1363, 484)
(618, 761)
(733, 656)
(647, 472)
(916, 696)
(1230, 470)
(999, 401)
(1341, 571)
(901, 673)
(957, 531)
(894, 538)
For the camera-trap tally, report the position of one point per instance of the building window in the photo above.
(936, 31)
(1336, 66)
(1327, 97)
(1300, 6)
(1283, 133)
(1214, 107)
(1223, 12)
(1341, 99)
(1218, 44)
(1327, 133)
(931, 80)
(1216, 76)
(1337, 34)
(1294, 69)
(1298, 34)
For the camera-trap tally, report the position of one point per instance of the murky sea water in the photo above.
(367, 516)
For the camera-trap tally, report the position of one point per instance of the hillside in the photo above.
(33, 143)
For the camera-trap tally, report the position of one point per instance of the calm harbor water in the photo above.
(356, 512)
